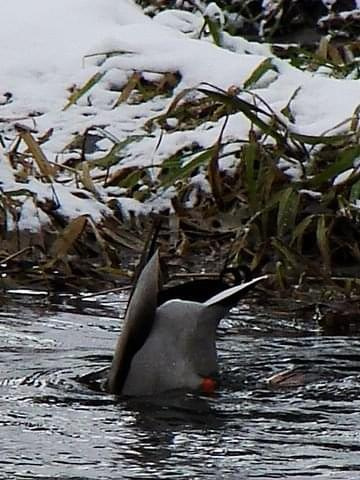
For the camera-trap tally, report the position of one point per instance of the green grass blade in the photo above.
(259, 71)
(250, 152)
(322, 238)
(214, 29)
(183, 171)
(79, 92)
(252, 112)
(299, 231)
(344, 161)
(287, 211)
(113, 156)
(320, 139)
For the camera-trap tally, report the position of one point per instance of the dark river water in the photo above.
(53, 426)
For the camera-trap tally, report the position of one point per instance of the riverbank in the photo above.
(249, 151)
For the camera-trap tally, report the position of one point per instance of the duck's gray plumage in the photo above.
(179, 352)
(171, 346)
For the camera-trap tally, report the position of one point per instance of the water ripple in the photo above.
(54, 426)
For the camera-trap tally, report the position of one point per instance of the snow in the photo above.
(184, 22)
(214, 13)
(48, 47)
(43, 45)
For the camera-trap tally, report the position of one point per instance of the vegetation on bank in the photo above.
(292, 21)
(287, 205)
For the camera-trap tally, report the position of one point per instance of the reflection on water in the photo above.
(52, 426)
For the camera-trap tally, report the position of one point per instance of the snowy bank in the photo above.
(90, 80)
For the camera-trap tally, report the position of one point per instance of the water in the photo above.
(53, 426)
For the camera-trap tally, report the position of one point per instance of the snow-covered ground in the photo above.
(48, 47)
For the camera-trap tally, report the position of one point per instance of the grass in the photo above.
(291, 228)
(301, 227)
(294, 229)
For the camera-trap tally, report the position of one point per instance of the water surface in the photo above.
(53, 426)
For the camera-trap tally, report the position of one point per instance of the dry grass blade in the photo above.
(335, 55)
(123, 238)
(42, 162)
(129, 87)
(68, 237)
(86, 179)
(354, 124)
(11, 257)
(100, 240)
(177, 99)
(322, 51)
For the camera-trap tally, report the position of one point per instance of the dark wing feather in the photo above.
(139, 318)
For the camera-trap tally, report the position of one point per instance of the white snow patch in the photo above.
(43, 49)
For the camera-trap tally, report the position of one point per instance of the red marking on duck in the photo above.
(208, 385)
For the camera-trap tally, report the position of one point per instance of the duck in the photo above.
(168, 340)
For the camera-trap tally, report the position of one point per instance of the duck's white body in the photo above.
(179, 352)
(177, 347)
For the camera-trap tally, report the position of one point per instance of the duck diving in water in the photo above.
(168, 339)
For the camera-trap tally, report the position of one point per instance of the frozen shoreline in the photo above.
(87, 153)
(39, 77)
